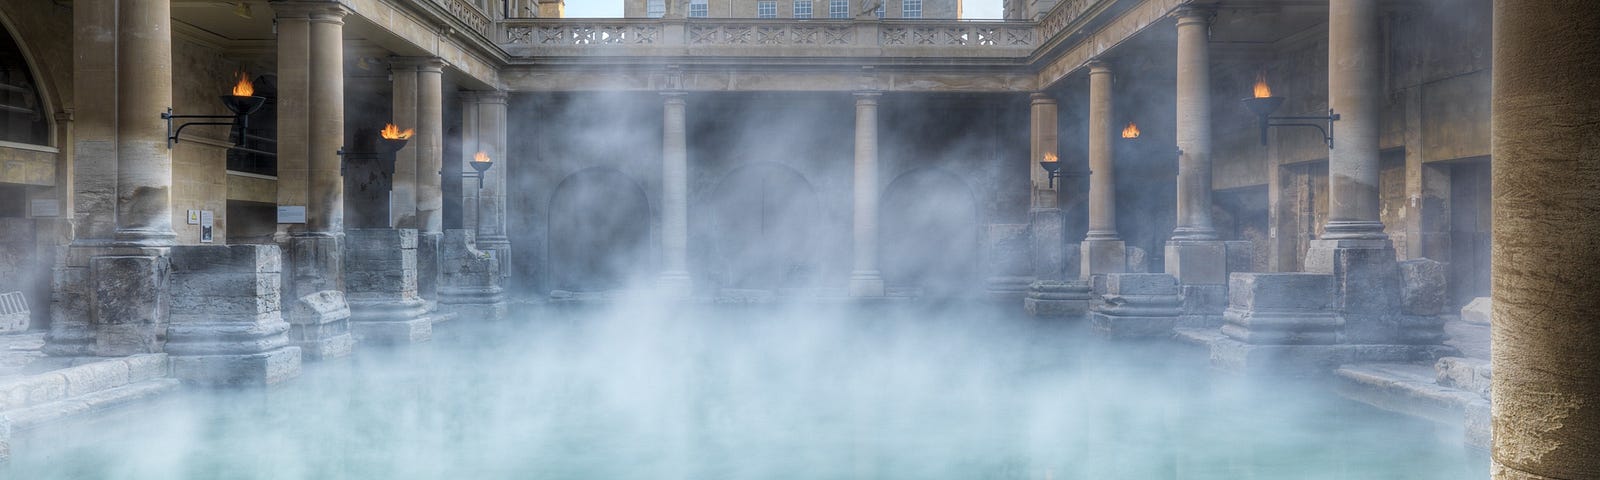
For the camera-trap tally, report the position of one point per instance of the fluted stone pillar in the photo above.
(1103, 250)
(310, 130)
(1355, 66)
(865, 279)
(674, 280)
(491, 216)
(1194, 255)
(1050, 294)
(1546, 320)
(430, 163)
(403, 184)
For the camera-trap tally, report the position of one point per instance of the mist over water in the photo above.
(643, 390)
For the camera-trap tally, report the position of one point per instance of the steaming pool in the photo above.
(765, 393)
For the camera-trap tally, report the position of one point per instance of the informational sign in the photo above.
(194, 217)
(205, 226)
(45, 207)
(291, 214)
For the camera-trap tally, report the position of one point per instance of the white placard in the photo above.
(205, 226)
(194, 217)
(45, 207)
(291, 214)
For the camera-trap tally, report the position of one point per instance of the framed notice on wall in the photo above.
(291, 214)
(45, 207)
(206, 220)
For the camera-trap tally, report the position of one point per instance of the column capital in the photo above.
(491, 96)
(1189, 13)
(422, 64)
(323, 10)
(1038, 98)
(674, 97)
(1098, 66)
(867, 96)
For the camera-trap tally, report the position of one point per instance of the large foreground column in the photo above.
(311, 126)
(1193, 255)
(865, 280)
(1546, 353)
(1102, 250)
(674, 281)
(144, 164)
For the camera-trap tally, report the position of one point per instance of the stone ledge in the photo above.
(32, 417)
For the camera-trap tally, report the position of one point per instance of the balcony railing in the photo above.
(785, 37)
(469, 13)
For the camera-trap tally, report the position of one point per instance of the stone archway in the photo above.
(928, 238)
(599, 232)
(764, 220)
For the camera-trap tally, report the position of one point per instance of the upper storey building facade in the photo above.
(797, 9)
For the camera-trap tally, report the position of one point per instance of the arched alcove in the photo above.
(928, 236)
(25, 117)
(763, 220)
(599, 233)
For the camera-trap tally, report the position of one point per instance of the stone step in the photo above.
(1200, 337)
(1405, 388)
(100, 401)
(1469, 374)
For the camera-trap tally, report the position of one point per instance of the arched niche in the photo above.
(928, 235)
(599, 232)
(26, 117)
(763, 221)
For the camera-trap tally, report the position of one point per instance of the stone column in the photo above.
(491, 216)
(430, 163)
(674, 279)
(865, 280)
(144, 86)
(1193, 254)
(1355, 64)
(1049, 295)
(1546, 355)
(1102, 250)
(310, 131)
(403, 184)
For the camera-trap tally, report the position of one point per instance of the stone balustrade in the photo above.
(769, 37)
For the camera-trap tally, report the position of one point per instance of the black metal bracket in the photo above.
(1327, 133)
(241, 121)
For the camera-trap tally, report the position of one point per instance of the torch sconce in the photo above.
(242, 103)
(1263, 104)
(480, 164)
(1052, 169)
(390, 140)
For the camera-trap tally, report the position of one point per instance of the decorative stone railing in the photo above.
(787, 37)
(1063, 14)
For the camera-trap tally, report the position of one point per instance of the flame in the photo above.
(392, 132)
(1050, 157)
(480, 157)
(244, 88)
(1262, 90)
(1132, 131)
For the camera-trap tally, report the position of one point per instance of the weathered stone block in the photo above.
(1137, 305)
(1203, 305)
(1047, 231)
(1241, 256)
(1197, 263)
(1057, 299)
(469, 278)
(381, 287)
(1102, 257)
(1289, 291)
(1478, 312)
(428, 268)
(236, 370)
(313, 281)
(1281, 309)
(146, 367)
(32, 390)
(95, 377)
(129, 304)
(1470, 374)
(232, 331)
(1231, 355)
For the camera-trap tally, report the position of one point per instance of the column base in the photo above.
(866, 283)
(1102, 257)
(109, 301)
(381, 280)
(469, 284)
(1203, 306)
(252, 369)
(1321, 254)
(394, 332)
(675, 284)
(1137, 306)
(1054, 299)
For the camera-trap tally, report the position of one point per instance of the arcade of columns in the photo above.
(114, 283)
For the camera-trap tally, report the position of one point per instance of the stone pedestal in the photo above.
(226, 327)
(428, 265)
(1137, 305)
(1055, 298)
(1007, 269)
(1047, 231)
(469, 278)
(109, 301)
(1099, 257)
(381, 286)
(1201, 267)
(313, 296)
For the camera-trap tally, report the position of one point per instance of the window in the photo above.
(23, 116)
(838, 8)
(697, 8)
(655, 8)
(802, 8)
(880, 12)
(767, 9)
(908, 9)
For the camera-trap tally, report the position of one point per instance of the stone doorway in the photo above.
(764, 231)
(1469, 230)
(599, 232)
(929, 236)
